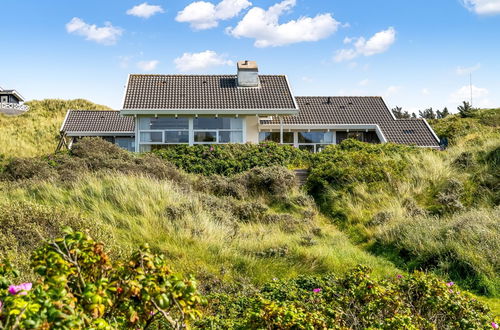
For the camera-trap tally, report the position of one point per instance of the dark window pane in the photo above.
(205, 137)
(151, 123)
(269, 137)
(287, 137)
(341, 136)
(217, 123)
(177, 137)
(315, 137)
(360, 136)
(126, 143)
(309, 148)
(152, 137)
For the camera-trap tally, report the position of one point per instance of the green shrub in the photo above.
(28, 168)
(275, 180)
(81, 288)
(91, 154)
(231, 159)
(358, 301)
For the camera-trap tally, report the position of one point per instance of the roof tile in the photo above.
(97, 121)
(220, 92)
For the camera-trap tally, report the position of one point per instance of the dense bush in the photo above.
(90, 154)
(232, 158)
(274, 181)
(464, 247)
(81, 288)
(355, 301)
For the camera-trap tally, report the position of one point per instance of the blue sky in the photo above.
(416, 54)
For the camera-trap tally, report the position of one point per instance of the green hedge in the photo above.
(232, 158)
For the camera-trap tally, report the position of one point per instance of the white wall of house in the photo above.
(252, 129)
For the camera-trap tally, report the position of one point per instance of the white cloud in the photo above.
(379, 43)
(391, 90)
(483, 7)
(364, 82)
(202, 15)
(145, 10)
(263, 26)
(106, 35)
(479, 96)
(148, 65)
(200, 61)
(307, 79)
(466, 70)
(425, 91)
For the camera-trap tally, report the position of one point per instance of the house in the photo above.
(11, 102)
(248, 107)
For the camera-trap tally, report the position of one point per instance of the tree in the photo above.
(80, 288)
(427, 114)
(442, 114)
(400, 114)
(466, 110)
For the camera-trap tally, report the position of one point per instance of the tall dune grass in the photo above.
(196, 237)
(36, 132)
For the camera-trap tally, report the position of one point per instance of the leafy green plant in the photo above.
(80, 287)
(356, 300)
(232, 158)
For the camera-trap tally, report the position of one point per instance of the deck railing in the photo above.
(14, 106)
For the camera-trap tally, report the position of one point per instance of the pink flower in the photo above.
(317, 290)
(211, 148)
(399, 276)
(494, 325)
(21, 289)
(450, 284)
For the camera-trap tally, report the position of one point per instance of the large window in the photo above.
(127, 143)
(185, 130)
(276, 137)
(164, 130)
(370, 136)
(315, 137)
(209, 130)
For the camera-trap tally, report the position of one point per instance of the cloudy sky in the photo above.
(416, 54)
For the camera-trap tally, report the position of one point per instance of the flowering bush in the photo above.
(416, 301)
(80, 287)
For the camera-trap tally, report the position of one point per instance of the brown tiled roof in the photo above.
(338, 110)
(97, 121)
(409, 131)
(220, 92)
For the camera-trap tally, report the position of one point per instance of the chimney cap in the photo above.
(248, 65)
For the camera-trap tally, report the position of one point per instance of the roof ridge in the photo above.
(339, 96)
(94, 110)
(199, 75)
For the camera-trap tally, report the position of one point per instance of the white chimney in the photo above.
(248, 74)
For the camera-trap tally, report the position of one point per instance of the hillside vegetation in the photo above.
(234, 217)
(36, 132)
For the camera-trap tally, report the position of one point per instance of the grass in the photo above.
(199, 238)
(36, 132)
